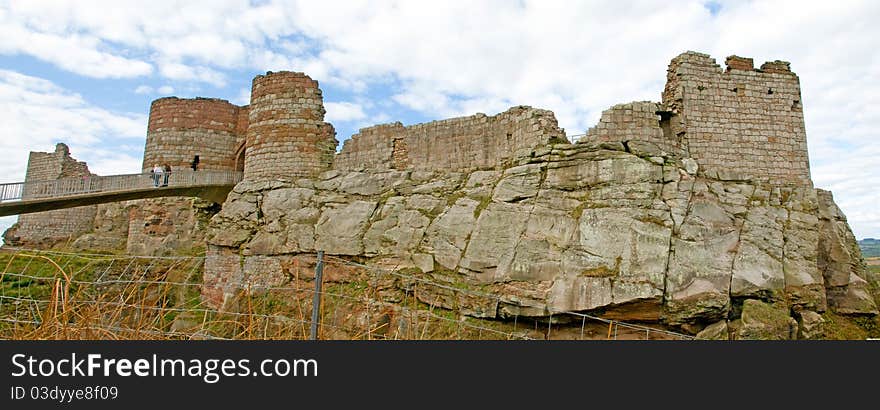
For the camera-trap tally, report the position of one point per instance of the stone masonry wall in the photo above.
(287, 135)
(48, 228)
(180, 129)
(637, 120)
(743, 121)
(463, 143)
(371, 147)
(167, 226)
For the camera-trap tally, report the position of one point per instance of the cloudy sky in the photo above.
(84, 72)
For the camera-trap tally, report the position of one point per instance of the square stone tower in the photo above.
(738, 123)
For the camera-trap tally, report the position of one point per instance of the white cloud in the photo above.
(143, 89)
(165, 89)
(35, 114)
(78, 53)
(243, 97)
(343, 111)
(183, 72)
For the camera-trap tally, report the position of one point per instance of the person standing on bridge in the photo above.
(157, 174)
(166, 171)
(195, 167)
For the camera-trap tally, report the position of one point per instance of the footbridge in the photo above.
(38, 196)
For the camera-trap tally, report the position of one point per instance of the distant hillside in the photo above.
(870, 247)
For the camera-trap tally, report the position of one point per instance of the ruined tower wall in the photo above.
(241, 123)
(370, 148)
(741, 122)
(286, 133)
(638, 120)
(463, 143)
(180, 129)
(46, 228)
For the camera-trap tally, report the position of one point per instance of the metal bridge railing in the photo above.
(94, 184)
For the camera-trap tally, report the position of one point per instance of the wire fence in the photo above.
(61, 295)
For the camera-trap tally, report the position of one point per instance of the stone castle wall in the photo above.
(180, 129)
(463, 143)
(743, 122)
(286, 134)
(48, 228)
(638, 120)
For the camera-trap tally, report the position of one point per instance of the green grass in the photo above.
(95, 286)
(839, 327)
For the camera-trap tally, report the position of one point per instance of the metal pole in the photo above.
(549, 323)
(316, 302)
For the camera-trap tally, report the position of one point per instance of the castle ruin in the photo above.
(47, 228)
(740, 122)
(677, 210)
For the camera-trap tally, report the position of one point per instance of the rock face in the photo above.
(110, 229)
(766, 322)
(627, 231)
(715, 331)
(810, 325)
(167, 226)
(841, 262)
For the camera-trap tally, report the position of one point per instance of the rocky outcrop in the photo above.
(841, 263)
(764, 321)
(810, 324)
(167, 226)
(715, 331)
(110, 229)
(626, 230)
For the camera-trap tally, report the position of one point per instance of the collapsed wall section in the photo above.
(286, 133)
(48, 228)
(635, 121)
(463, 143)
(742, 121)
(181, 129)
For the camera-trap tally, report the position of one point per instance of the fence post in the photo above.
(316, 302)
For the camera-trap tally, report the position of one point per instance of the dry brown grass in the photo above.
(57, 295)
(54, 295)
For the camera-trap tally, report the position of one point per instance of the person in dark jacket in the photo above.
(166, 173)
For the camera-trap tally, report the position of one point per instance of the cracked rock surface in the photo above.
(620, 230)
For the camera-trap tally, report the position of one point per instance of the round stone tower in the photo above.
(180, 129)
(286, 133)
